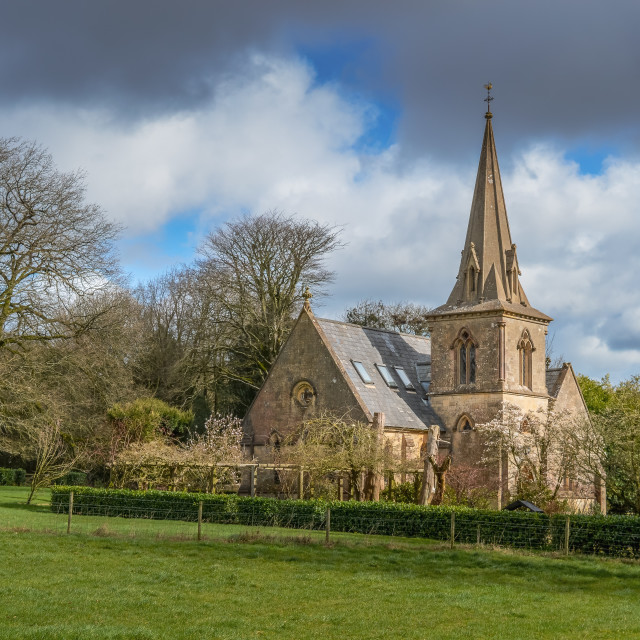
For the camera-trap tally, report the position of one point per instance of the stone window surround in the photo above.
(465, 344)
(525, 360)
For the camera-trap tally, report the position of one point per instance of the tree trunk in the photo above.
(440, 473)
(377, 479)
(428, 475)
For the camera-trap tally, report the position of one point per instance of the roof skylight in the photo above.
(402, 374)
(423, 369)
(386, 375)
(362, 372)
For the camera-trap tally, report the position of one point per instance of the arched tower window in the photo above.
(465, 349)
(465, 423)
(525, 350)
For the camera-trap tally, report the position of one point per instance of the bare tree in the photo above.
(329, 444)
(54, 456)
(54, 247)
(405, 317)
(255, 268)
(71, 382)
(184, 342)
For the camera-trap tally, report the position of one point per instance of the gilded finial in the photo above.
(307, 295)
(488, 100)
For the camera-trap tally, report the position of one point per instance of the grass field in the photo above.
(129, 580)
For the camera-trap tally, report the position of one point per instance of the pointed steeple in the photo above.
(489, 268)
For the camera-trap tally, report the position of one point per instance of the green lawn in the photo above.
(143, 581)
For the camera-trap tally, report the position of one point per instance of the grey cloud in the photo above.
(560, 69)
(625, 342)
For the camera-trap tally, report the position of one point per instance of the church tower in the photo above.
(487, 341)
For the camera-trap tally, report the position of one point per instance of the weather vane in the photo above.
(488, 99)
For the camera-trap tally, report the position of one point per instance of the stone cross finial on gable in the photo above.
(307, 295)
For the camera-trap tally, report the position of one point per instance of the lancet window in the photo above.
(525, 351)
(464, 423)
(465, 349)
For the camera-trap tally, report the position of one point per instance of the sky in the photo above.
(365, 114)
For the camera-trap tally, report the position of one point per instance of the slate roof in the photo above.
(553, 381)
(401, 408)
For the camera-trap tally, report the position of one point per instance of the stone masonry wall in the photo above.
(304, 358)
(485, 330)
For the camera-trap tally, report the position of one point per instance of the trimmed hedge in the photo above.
(601, 535)
(12, 476)
(607, 535)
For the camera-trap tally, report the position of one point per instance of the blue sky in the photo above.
(362, 114)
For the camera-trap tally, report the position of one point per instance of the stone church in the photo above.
(486, 349)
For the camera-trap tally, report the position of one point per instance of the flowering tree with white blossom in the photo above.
(542, 451)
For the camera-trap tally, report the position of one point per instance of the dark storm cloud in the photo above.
(559, 69)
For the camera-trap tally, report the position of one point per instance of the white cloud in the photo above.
(272, 138)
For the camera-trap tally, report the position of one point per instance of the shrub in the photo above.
(147, 418)
(78, 478)
(12, 476)
(406, 492)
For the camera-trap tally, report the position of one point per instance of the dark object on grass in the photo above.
(523, 504)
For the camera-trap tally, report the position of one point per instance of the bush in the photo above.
(78, 478)
(147, 418)
(20, 476)
(477, 498)
(6, 476)
(12, 476)
(406, 492)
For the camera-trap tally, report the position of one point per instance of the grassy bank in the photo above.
(101, 582)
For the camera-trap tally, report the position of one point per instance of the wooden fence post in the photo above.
(566, 536)
(252, 480)
(327, 525)
(70, 511)
(301, 484)
(453, 527)
(478, 538)
(199, 520)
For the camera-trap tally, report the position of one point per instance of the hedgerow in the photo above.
(608, 535)
(12, 476)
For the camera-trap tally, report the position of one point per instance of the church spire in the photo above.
(489, 265)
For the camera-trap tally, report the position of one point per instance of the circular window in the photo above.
(304, 394)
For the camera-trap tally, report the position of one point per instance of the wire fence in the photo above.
(192, 518)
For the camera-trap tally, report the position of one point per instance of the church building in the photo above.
(486, 350)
